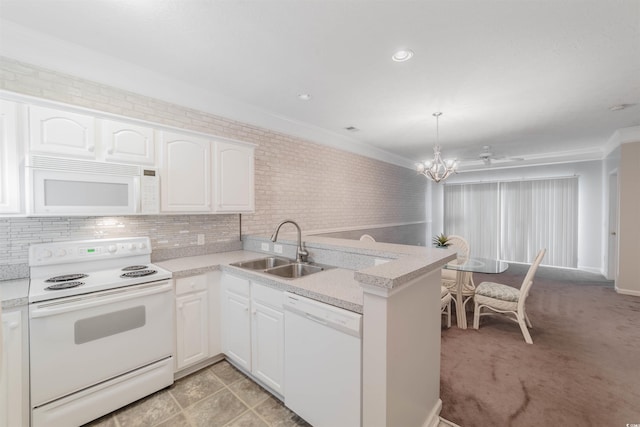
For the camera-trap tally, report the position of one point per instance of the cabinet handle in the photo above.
(110, 151)
(91, 148)
(13, 325)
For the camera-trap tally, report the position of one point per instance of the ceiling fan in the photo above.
(487, 156)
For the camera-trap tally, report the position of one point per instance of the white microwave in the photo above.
(60, 186)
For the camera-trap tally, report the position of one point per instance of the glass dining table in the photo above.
(463, 271)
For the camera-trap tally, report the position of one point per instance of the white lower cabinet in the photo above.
(236, 320)
(13, 371)
(267, 337)
(253, 329)
(197, 319)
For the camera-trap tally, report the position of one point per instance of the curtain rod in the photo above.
(511, 180)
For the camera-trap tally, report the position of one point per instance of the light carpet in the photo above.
(583, 368)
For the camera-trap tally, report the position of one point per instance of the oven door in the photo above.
(79, 341)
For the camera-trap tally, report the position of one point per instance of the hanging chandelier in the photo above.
(437, 169)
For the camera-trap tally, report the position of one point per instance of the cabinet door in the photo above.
(185, 179)
(192, 328)
(11, 387)
(234, 187)
(61, 132)
(236, 328)
(267, 347)
(9, 175)
(127, 143)
(214, 279)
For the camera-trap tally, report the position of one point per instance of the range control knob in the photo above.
(112, 249)
(132, 246)
(46, 253)
(60, 252)
(142, 245)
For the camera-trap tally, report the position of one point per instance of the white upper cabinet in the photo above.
(234, 177)
(127, 143)
(9, 175)
(61, 132)
(185, 173)
(198, 173)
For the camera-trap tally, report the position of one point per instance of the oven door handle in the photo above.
(103, 298)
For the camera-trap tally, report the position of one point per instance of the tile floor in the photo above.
(219, 395)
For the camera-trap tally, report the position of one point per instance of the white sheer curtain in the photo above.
(472, 211)
(540, 214)
(513, 220)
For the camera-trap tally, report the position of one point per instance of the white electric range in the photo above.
(101, 320)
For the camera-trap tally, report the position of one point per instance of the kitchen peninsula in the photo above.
(397, 290)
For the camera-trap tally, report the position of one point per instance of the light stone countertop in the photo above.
(405, 262)
(335, 286)
(14, 293)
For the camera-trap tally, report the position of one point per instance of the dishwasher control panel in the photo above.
(331, 316)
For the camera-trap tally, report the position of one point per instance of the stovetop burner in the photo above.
(138, 273)
(65, 285)
(134, 268)
(66, 278)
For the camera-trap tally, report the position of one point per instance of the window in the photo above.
(513, 220)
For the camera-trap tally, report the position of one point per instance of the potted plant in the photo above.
(441, 241)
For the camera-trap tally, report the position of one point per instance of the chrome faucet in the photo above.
(301, 252)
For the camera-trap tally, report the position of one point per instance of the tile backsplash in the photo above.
(165, 232)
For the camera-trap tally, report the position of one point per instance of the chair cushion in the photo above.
(498, 291)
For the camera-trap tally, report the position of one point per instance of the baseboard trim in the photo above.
(433, 419)
(627, 292)
(200, 365)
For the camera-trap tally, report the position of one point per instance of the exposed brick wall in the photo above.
(319, 186)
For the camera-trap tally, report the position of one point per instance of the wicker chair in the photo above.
(503, 299)
(445, 304)
(450, 277)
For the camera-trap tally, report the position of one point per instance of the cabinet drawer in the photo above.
(236, 285)
(267, 295)
(191, 284)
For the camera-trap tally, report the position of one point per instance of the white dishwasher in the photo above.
(322, 362)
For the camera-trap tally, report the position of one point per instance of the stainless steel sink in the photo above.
(262, 263)
(295, 270)
(281, 267)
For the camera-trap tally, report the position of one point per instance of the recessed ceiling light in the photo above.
(402, 55)
(304, 97)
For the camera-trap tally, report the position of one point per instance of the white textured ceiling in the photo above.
(529, 78)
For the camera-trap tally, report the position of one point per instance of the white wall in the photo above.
(629, 225)
(590, 198)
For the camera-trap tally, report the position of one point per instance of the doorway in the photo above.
(612, 230)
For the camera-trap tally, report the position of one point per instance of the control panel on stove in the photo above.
(64, 252)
